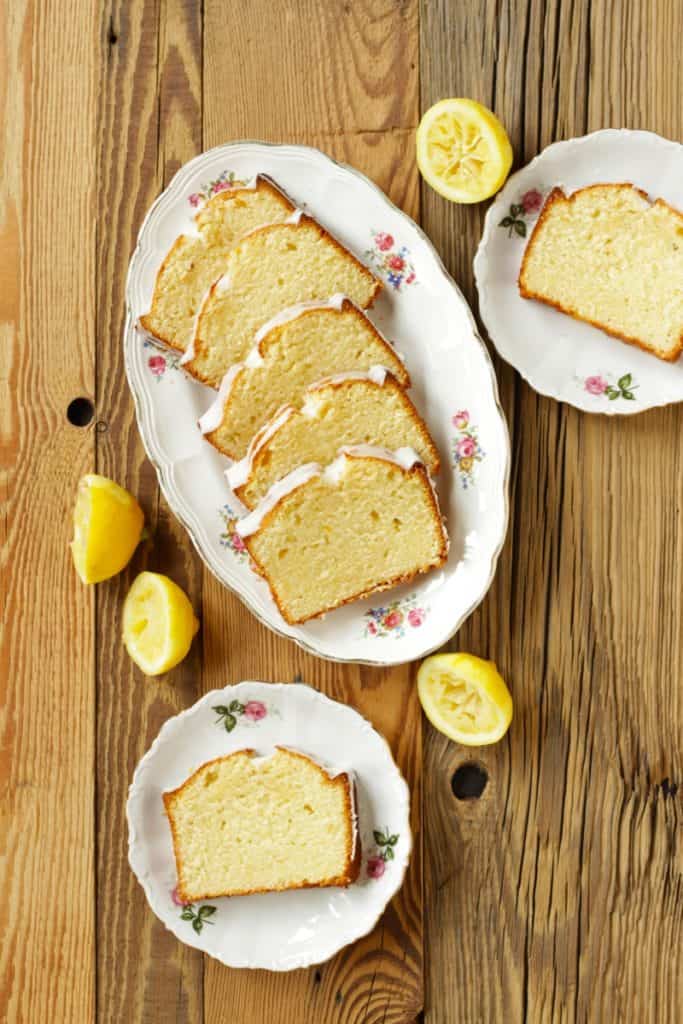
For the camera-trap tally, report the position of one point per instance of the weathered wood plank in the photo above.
(557, 896)
(150, 123)
(47, 704)
(323, 75)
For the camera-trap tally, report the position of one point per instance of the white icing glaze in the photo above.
(376, 374)
(295, 217)
(213, 417)
(239, 472)
(292, 312)
(190, 353)
(404, 457)
(301, 475)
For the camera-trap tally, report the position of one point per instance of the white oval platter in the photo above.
(558, 356)
(422, 311)
(286, 930)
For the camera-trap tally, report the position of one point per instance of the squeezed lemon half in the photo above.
(463, 151)
(465, 698)
(158, 623)
(108, 523)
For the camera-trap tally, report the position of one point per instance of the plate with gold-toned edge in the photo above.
(424, 314)
(277, 931)
(561, 357)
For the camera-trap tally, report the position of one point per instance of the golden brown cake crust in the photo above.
(396, 581)
(304, 219)
(353, 846)
(558, 195)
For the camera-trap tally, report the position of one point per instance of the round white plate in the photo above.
(426, 316)
(277, 931)
(558, 356)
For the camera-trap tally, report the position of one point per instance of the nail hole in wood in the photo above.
(469, 781)
(101, 427)
(80, 412)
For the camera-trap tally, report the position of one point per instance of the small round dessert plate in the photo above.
(558, 356)
(285, 930)
(424, 314)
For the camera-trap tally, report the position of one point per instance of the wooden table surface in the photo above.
(556, 896)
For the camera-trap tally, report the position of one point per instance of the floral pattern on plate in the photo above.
(386, 841)
(198, 917)
(390, 260)
(467, 450)
(393, 619)
(158, 364)
(224, 181)
(252, 711)
(600, 387)
(228, 538)
(528, 207)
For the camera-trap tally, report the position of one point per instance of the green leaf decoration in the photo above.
(198, 924)
(220, 709)
(235, 706)
(515, 209)
(230, 722)
(506, 222)
(393, 840)
(380, 838)
(389, 853)
(625, 381)
(520, 228)
(206, 911)
(629, 395)
(612, 393)
(187, 914)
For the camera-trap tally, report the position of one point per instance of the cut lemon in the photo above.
(158, 623)
(463, 151)
(108, 523)
(465, 698)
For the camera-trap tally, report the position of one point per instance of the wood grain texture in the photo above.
(558, 895)
(47, 302)
(149, 118)
(320, 75)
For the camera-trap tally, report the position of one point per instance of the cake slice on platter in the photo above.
(197, 259)
(270, 269)
(608, 256)
(324, 537)
(244, 824)
(346, 409)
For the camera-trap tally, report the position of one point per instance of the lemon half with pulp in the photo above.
(465, 698)
(463, 151)
(108, 524)
(158, 623)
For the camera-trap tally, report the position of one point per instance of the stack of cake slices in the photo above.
(329, 456)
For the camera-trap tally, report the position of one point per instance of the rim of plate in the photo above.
(135, 843)
(480, 261)
(142, 410)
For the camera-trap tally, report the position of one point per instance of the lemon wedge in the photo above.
(108, 523)
(158, 623)
(465, 698)
(463, 151)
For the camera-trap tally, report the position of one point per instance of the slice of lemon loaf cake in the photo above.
(607, 255)
(347, 409)
(271, 268)
(324, 537)
(194, 261)
(243, 824)
(296, 348)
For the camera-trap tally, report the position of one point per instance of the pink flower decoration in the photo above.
(220, 186)
(532, 200)
(176, 898)
(376, 867)
(255, 710)
(411, 277)
(383, 241)
(416, 617)
(461, 419)
(237, 543)
(396, 262)
(195, 199)
(393, 619)
(595, 385)
(466, 447)
(157, 365)
(372, 628)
